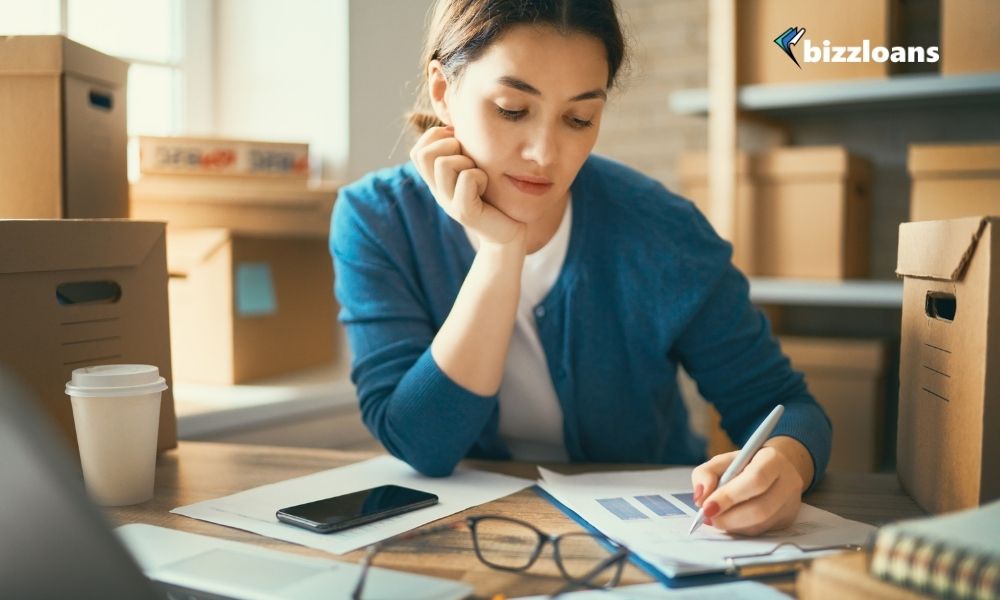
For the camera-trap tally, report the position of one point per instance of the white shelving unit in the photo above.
(805, 292)
(900, 90)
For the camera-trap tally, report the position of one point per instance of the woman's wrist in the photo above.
(797, 454)
(504, 254)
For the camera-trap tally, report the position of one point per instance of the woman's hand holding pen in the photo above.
(766, 495)
(458, 186)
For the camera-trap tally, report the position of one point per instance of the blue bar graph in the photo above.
(620, 508)
(660, 506)
(687, 499)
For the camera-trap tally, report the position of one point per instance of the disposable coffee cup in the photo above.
(116, 409)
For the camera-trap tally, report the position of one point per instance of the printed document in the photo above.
(253, 510)
(650, 512)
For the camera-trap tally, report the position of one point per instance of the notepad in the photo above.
(954, 555)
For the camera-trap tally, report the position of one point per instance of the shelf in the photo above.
(204, 409)
(804, 292)
(894, 92)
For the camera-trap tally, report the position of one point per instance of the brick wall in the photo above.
(669, 41)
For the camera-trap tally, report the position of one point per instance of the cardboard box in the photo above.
(759, 60)
(219, 156)
(847, 377)
(948, 451)
(800, 212)
(296, 210)
(969, 39)
(245, 307)
(954, 181)
(63, 146)
(79, 293)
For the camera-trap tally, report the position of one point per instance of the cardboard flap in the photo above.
(187, 249)
(939, 249)
(69, 244)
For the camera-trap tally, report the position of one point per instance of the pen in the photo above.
(749, 449)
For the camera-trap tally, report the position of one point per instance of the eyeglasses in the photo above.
(584, 559)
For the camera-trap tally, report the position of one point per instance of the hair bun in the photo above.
(422, 121)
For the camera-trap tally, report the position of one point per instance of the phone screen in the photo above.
(357, 507)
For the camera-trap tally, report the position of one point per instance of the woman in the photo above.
(506, 294)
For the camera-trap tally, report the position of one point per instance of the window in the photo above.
(164, 42)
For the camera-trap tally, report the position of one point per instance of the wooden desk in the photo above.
(199, 471)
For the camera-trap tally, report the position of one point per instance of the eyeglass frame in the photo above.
(616, 558)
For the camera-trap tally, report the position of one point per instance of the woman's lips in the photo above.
(529, 187)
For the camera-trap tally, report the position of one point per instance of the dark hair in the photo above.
(461, 30)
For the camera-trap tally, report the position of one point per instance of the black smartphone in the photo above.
(357, 508)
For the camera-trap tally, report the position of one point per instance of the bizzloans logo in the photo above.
(851, 54)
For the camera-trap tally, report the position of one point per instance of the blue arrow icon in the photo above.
(789, 38)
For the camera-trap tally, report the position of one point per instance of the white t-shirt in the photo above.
(531, 419)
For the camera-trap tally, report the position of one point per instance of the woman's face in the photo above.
(527, 112)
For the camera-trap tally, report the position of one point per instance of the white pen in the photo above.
(754, 444)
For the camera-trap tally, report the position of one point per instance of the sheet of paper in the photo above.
(745, 590)
(651, 512)
(253, 510)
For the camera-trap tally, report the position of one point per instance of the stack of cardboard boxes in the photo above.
(803, 212)
(251, 280)
(800, 212)
(79, 284)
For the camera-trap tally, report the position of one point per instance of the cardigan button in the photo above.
(540, 312)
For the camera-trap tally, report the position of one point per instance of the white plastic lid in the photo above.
(115, 380)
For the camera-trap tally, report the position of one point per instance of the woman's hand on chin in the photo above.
(458, 186)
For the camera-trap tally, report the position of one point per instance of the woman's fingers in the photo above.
(459, 185)
(446, 170)
(705, 477)
(755, 479)
(774, 508)
(435, 142)
(467, 202)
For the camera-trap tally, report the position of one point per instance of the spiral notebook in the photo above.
(955, 555)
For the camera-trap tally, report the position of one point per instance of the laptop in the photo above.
(55, 543)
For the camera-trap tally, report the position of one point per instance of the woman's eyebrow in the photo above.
(524, 86)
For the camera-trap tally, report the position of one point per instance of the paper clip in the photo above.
(776, 568)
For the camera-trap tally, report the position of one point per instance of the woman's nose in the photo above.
(541, 147)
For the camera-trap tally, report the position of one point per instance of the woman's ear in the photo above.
(437, 88)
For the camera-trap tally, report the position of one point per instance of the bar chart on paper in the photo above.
(669, 506)
(650, 512)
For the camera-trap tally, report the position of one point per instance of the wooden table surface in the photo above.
(198, 471)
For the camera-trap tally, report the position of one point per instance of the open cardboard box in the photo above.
(75, 293)
(245, 307)
(948, 451)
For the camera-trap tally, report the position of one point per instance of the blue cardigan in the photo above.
(646, 285)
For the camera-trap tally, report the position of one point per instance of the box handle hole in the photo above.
(88, 292)
(941, 306)
(101, 100)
